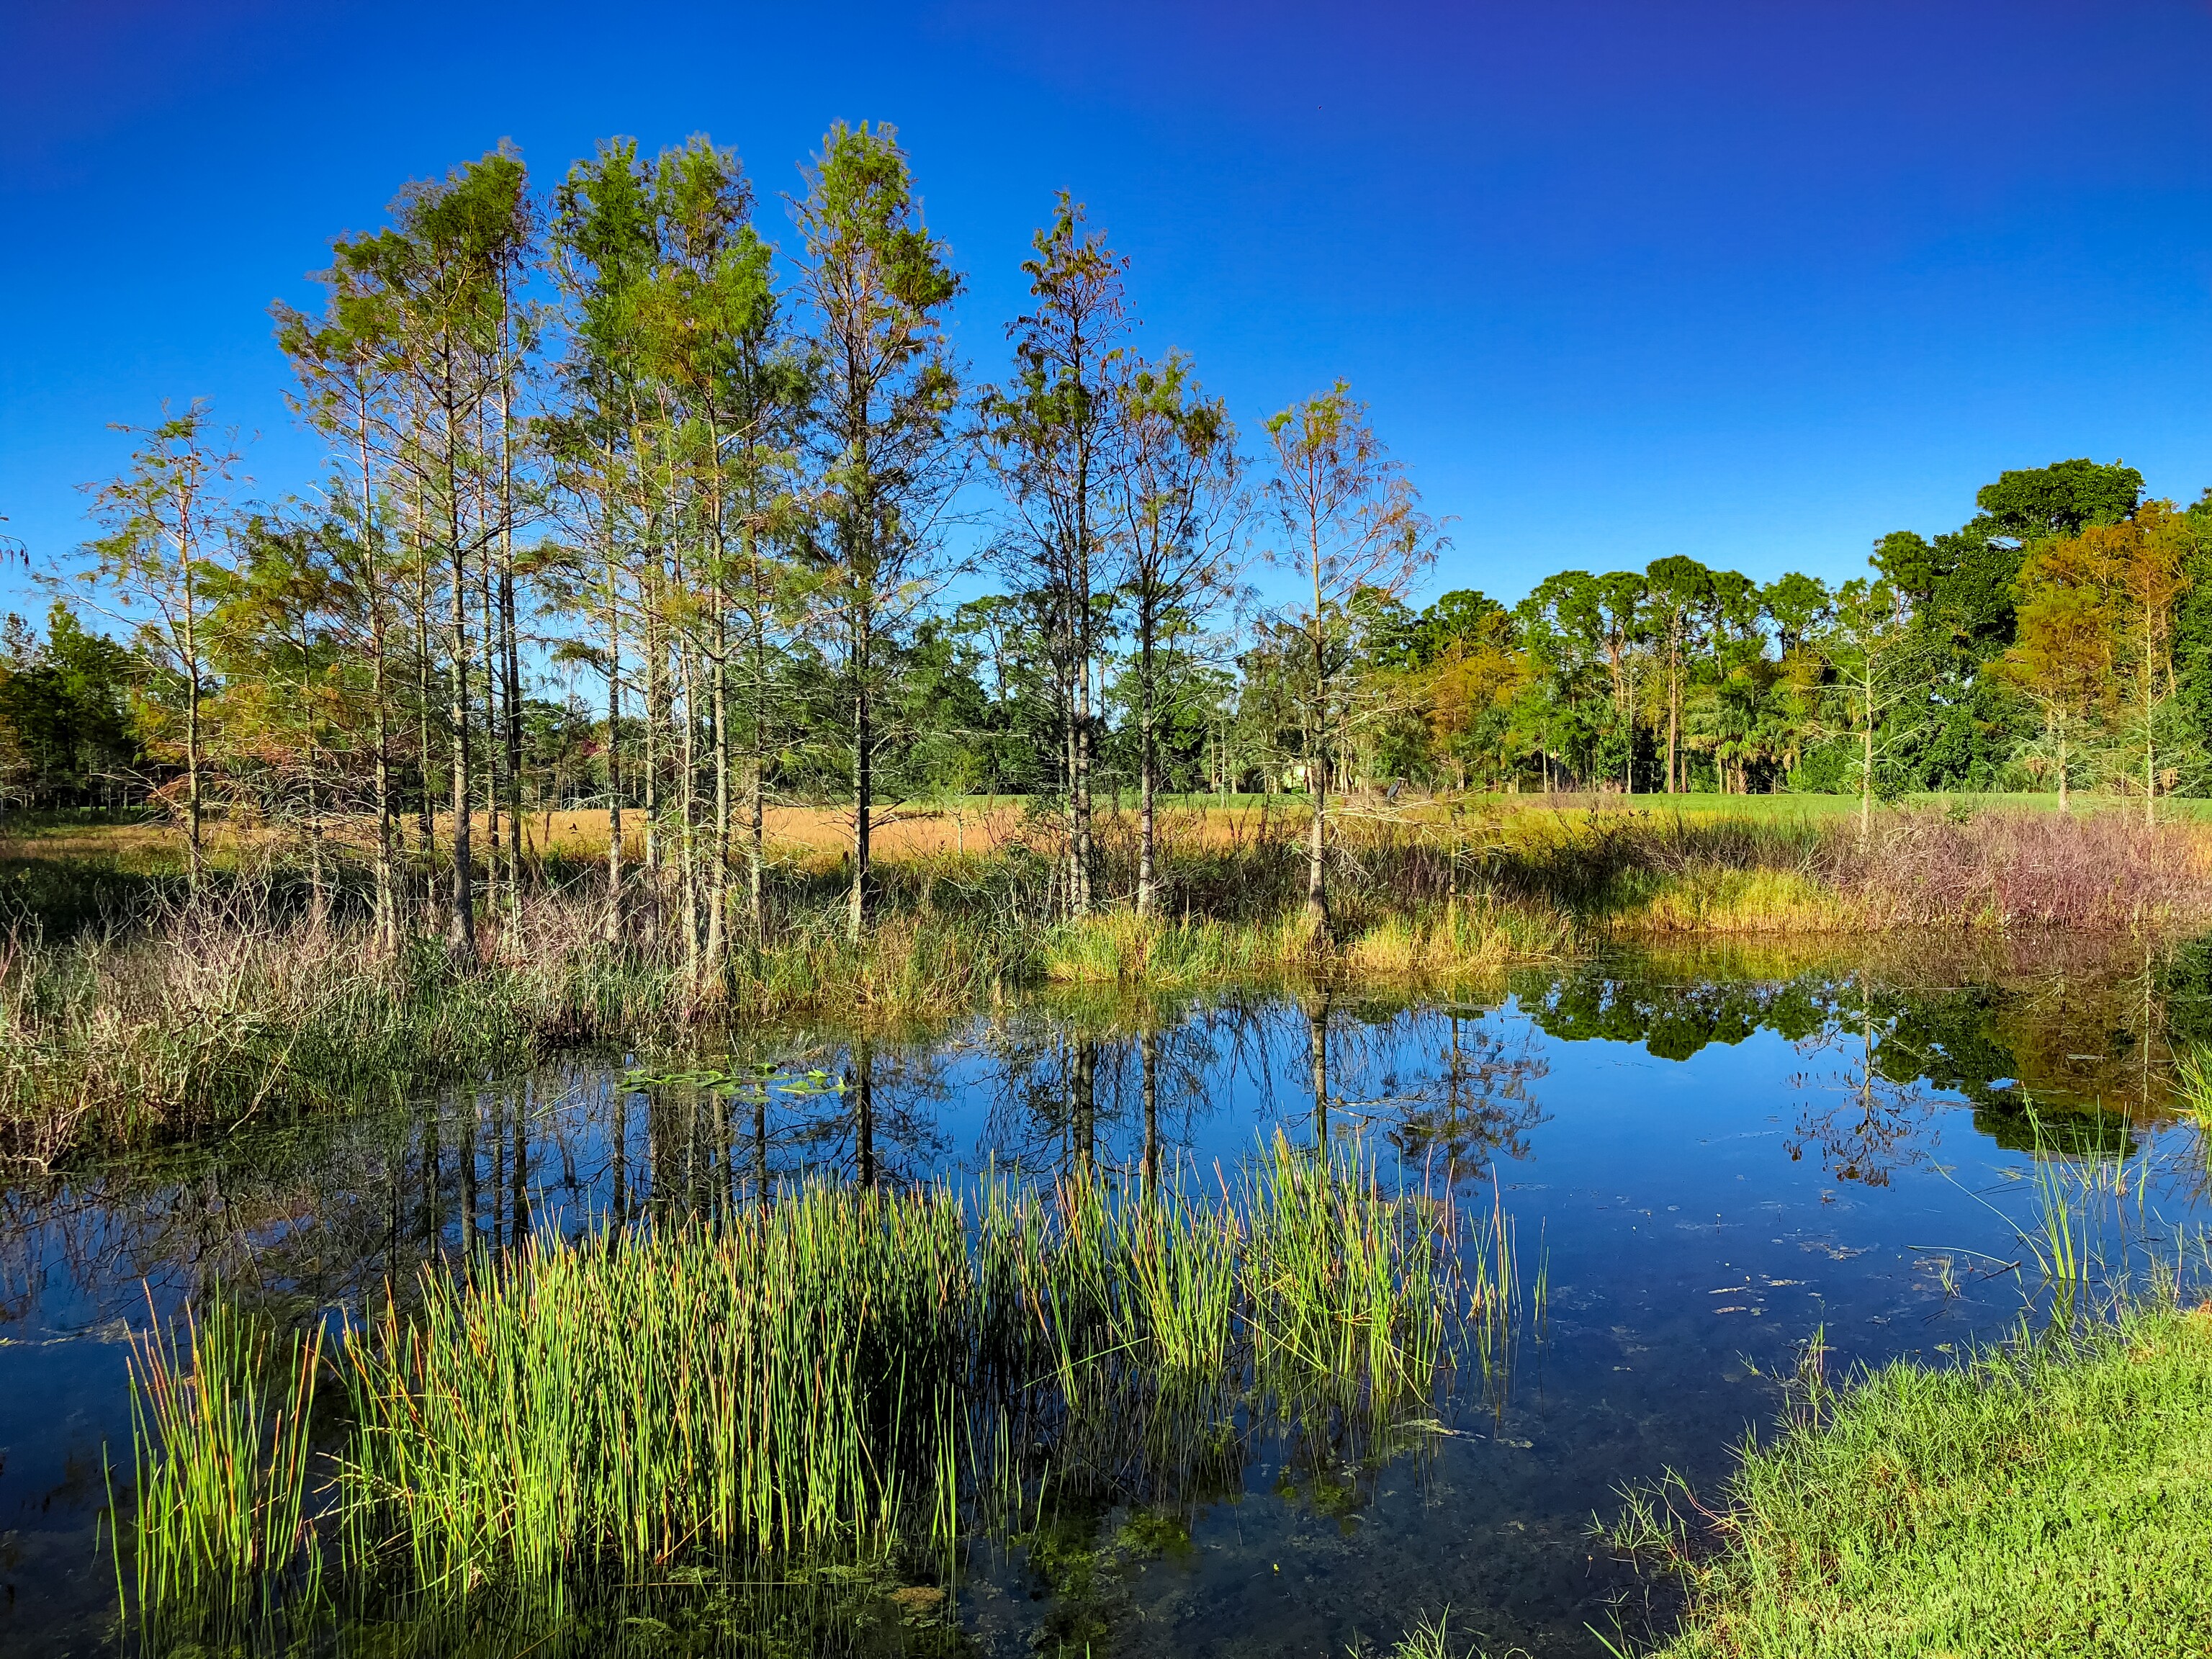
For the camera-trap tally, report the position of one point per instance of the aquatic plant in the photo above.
(843, 1372)
(221, 1408)
(2192, 1077)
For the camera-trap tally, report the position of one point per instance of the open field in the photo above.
(985, 823)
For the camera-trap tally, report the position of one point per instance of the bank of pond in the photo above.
(1287, 1320)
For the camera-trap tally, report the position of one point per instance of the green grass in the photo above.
(2053, 1497)
(840, 1374)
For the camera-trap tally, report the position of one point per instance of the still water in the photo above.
(1712, 1160)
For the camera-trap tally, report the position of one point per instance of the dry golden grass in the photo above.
(916, 830)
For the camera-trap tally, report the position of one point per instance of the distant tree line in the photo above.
(626, 507)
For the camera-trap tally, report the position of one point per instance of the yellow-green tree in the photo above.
(2095, 643)
(2150, 571)
(1349, 520)
(168, 524)
(2063, 658)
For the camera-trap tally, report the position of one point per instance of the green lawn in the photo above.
(2054, 1500)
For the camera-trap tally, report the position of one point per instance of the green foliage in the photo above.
(2061, 499)
(222, 1415)
(66, 732)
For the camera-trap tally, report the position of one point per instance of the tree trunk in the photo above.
(426, 821)
(687, 819)
(1866, 775)
(614, 920)
(1674, 716)
(1317, 763)
(1067, 767)
(386, 899)
(857, 917)
(2150, 731)
(461, 934)
(1083, 1078)
(192, 734)
(1317, 858)
(513, 671)
(656, 713)
(1148, 871)
(755, 754)
(757, 846)
(1148, 1050)
(861, 1076)
(718, 851)
(1317, 1055)
(318, 894)
(511, 663)
(387, 885)
(492, 782)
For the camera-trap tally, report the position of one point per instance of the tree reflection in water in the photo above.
(2081, 1033)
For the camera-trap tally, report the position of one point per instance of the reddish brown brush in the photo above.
(2097, 870)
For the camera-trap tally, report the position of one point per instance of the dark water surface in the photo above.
(1712, 1160)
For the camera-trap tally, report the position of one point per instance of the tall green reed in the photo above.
(221, 1419)
(847, 1371)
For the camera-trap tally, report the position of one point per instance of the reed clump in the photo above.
(214, 1018)
(1454, 940)
(845, 1372)
(205, 1014)
(220, 1408)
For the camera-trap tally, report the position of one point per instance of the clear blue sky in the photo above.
(1755, 283)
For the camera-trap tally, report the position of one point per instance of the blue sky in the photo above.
(1755, 283)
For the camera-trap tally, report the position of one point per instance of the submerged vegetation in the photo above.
(839, 1374)
(2044, 1494)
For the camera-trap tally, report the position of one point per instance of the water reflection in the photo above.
(1795, 1131)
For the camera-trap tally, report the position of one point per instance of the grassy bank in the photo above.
(2050, 1498)
(849, 1373)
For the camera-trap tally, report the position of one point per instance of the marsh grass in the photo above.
(1470, 938)
(840, 1374)
(221, 1411)
(218, 1019)
(189, 1016)
(2192, 1077)
(211, 1015)
(1659, 870)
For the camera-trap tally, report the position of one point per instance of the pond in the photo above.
(1708, 1161)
